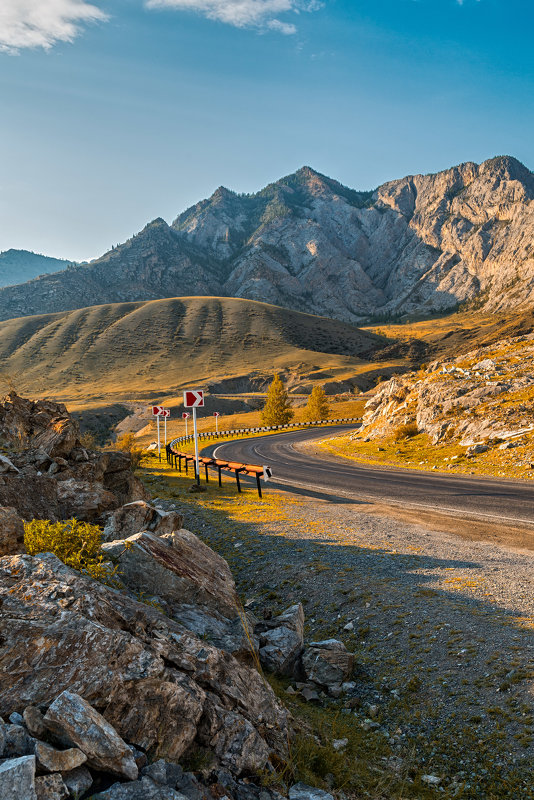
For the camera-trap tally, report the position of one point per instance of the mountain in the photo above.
(17, 266)
(420, 244)
(152, 348)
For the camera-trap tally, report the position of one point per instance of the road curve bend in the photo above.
(322, 476)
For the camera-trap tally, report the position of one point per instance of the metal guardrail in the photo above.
(225, 434)
(175, 457)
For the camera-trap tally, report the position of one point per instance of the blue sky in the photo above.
(114, 112)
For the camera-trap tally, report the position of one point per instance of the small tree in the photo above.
(317, 405)
(277, 409)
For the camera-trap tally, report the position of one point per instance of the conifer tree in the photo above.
(317, 405)
(277, 409)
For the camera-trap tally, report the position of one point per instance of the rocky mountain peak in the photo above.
(423, 243)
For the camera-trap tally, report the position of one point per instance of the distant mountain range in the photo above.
(420, 244)
(18, 266)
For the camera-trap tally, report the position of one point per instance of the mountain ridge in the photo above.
(17, 266)
(419, 244)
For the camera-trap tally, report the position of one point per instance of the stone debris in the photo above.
(327, 663)
(17, 779)
(74, 722)
(301, 791)
(51, 787)
(11, 532)
(282, 640)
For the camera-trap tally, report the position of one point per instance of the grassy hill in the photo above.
(155, 349)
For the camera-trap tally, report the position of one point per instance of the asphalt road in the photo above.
(339, 480)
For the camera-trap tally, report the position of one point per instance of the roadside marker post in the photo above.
(160, 411)
(216, 415)
(195, 399)
(185, 416)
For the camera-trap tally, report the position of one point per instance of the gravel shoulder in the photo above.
(442, 624)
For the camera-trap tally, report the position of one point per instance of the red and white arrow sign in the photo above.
(216, 414)
(166, 412)
(194, 399)
(185, 415)
(158, 411)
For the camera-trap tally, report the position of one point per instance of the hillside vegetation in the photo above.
(155, 349)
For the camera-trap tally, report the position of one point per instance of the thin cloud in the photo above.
(43, 23)
(243, 13)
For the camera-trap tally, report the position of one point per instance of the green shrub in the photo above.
(128, 444)
(406, 431)
(75, 543)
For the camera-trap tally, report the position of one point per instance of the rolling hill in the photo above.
(156, 348)
(421, 244)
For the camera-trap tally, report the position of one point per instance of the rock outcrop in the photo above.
(11, 532)
(421, 243)
(162, 689)
(52, 476)
(484, 395)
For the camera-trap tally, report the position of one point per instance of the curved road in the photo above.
(338, 479)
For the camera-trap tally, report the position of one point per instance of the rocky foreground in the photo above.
(111, 691)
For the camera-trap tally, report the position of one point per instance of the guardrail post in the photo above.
(220, 477)
(258, 484)
(237, 479)
(206, 468)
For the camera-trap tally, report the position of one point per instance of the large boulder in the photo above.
(282, 640)
(11, 532)
(190, 581)
(140, 516)
(158, 685)
(177, 567)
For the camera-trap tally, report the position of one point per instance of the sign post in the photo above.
(185, 417)
(195, 399)
(159, 411)
(216, 415)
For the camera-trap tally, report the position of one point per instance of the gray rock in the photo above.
(282, 643)
(164, 773)
(77, 724)
(78, 781)
(301, 791)
(17, 779)
(11, 532)
(52, 760)
(327, 663)
(140, 516)
(33, 719)
(6, 465)
(145, 789)
(17, 742)
(16, 718)
(51, 787)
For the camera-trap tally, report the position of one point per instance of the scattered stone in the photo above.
(51, 787)
(373, 711)
(145, 789)
(17, 779)
(349, 626)
(310, 695)
(339, 744)
(164, 773)
(16, 719)
(431, 780)
(301, 791)
(6, 465)
(328, 662)
(53, 760)
(34, 722)
(78, 781)
(76, 723)
(17, 741)
(282, 640)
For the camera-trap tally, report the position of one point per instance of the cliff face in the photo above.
(422, 243)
